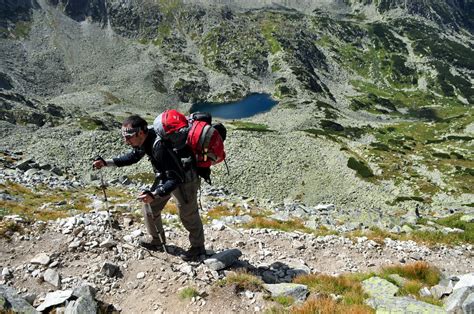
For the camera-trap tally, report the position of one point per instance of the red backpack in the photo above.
(206, 140)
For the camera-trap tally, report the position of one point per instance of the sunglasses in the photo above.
(127, 137)
(130, 132)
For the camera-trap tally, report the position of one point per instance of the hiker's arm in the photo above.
(166, 188)
(126, 160)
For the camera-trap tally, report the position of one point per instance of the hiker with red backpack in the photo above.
(176, 175)
(173, 178)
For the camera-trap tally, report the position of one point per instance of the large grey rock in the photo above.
(466, 280)
(441, 290)
(455, 301)
(11, 301)
(402, 305)
(223, 259)
(468, 304)
(296, 268)
(54, 298)
(84, 291)
(379, 288)
(81, 306)
(41, 258)
(52, 277)
(296, 291)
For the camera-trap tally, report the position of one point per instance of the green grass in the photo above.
(243, 280)
(353, 297)
(268, 27)
(418, 271)
(348, 287)
(250, 126)
(286, 301)
(188, 293)
(91, 124)
(360, 167)
(42, 203)
(143, 177)
(222, 211)
(291, 225)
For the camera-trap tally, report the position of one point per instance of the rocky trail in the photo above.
(48, 262)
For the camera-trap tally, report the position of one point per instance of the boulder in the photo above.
(54, 298)
(468, 304)
(82, 305)
(456, 300)
(41, 258)
(379, 288)
(402, 305)
(84, 291)
(223, 259)
(296, 291)
(466, 280)
(52, 277)
(10, 301)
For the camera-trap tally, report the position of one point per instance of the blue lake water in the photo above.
(247, 107)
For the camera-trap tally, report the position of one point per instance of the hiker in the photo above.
(176, 175)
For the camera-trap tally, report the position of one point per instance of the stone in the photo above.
(54, 298)
(217, 225)
(416, 256)
(84, 290)
(298, 245)
(467, 218)
(466, 280)
(136, 233)
(10, 301)
(82, 305)
(141, 275)
(6, 273)
(269, 277)
(296, 291)
(297, 268)
(52, 277)
(24, 164)
(399, 280)
(110, 269)
(468, 304)
(425, 292)
(440, 290)
(325, 207)
(455, 300)
(223, 259)
(402, 305)
(41, 258)
(186, 269)
(378, 287)
(109, 243)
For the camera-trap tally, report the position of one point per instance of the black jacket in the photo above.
(167, 164)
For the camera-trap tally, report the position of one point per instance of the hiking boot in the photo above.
(193, 254)
(151, 243)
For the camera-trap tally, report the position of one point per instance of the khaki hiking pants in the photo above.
(186, 200)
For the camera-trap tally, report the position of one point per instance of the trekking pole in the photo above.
(152, 220)
(104, 188)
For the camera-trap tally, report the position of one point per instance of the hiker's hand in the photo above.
(99, 163)
(146, 197)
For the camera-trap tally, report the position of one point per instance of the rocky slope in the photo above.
(375, 97)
